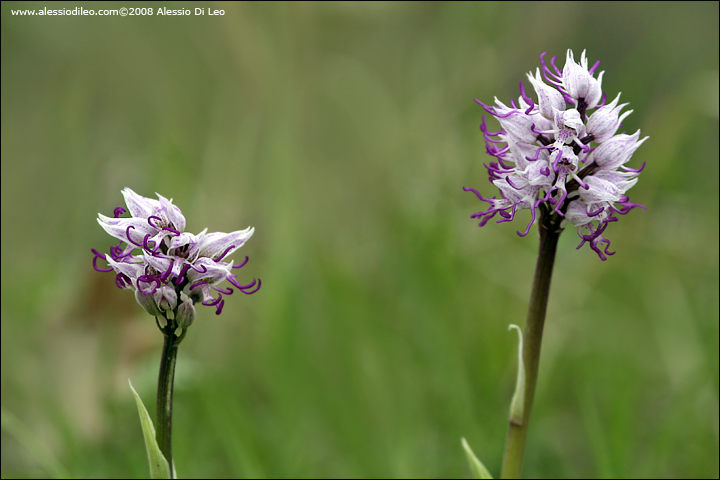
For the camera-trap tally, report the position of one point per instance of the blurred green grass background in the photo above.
(343, 133)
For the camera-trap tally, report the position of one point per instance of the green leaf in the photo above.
(477, 467)
(517, 405)
(159, 467)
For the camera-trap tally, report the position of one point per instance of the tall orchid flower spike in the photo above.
(170, 271)
(562, 158)
(569, 148)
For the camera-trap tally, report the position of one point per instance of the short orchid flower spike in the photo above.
(555, 156)
(168, 269)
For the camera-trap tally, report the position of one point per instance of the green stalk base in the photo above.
(517, 434)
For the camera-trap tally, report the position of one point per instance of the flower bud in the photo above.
(186, 312)
(519, 127)
(617, 150)
(605, 121)
(577, 213)
(548, 98)
(579, 82)
(166, 300)
(600, 191)
(147, 302)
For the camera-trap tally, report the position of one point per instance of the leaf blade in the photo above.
(159, 467)
(476, 466)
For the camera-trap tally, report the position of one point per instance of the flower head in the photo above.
(556, 157)
(170, 270)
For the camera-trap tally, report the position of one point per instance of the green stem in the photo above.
(163, 423)
(515, 446)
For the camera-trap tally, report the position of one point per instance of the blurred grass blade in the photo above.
(32, 443)
(477, 467)
(159, 467)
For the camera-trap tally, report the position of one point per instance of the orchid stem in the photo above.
(163, 423)
(515, 446)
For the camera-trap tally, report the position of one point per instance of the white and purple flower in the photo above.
(174, 269)
(554, 157)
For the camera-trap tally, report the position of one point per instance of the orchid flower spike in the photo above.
(170, 270)
(554, 155)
